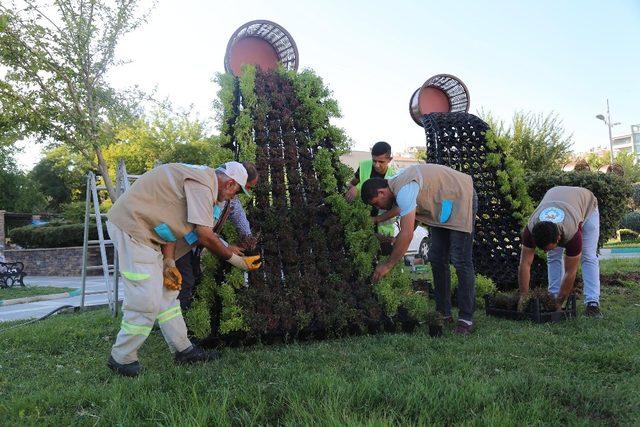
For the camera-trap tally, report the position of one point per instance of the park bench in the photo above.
(11, 273)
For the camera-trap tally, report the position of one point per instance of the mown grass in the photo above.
(28, 291)
(616, 243)
(581, 371)
(619, 265)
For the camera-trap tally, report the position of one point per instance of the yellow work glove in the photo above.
(172, 279)
(246, 263)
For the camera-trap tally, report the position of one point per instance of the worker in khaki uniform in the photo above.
(171, 203)
(444, 200)
(566, 225)
(189, 265)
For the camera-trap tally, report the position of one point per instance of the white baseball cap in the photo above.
(236, 172)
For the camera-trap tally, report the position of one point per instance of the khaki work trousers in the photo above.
(146, 300)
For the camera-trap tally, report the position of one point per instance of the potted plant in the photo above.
(435, 323)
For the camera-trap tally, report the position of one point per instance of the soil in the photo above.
(618, 279)
(422, 286)
(509, 301)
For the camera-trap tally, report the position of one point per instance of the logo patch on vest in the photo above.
(554, 215)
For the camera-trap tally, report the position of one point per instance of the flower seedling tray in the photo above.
(536, 315)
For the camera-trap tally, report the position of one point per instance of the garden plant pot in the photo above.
(536, 315)
(435, 331)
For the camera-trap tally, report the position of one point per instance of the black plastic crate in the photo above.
(536, 316)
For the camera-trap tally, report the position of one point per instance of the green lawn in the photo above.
(29, 291)
(619, 265)
(507, 373)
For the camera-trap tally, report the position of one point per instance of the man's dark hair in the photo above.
(252, 172)
(370, 188)
(545, 233)
(380, 148)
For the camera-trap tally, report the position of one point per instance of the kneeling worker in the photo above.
(566, 225)
(443, 199)
(171, 203)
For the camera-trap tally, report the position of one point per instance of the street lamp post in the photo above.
(607, 121)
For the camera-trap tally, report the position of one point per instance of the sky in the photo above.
(540, 56)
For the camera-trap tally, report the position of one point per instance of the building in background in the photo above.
(400, 160)
(628, 143)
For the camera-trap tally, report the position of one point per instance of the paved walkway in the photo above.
(95, 289)
(619, 253)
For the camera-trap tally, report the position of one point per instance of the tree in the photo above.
(630, 166)
(19, 192)
(597, 160)
(56, 57)
(8, 180)
(626, 160)
(419, 153)
(539, 142)
(166, 138)
(60, 175)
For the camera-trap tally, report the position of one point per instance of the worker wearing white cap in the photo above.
(171, 203)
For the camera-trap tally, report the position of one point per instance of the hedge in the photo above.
(626, 235)
(612, 192)
(631, 220)
(52, 235)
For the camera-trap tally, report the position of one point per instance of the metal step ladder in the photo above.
(123, 182)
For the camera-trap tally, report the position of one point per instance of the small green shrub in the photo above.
(73, 212)
(434, 318)
(395, 291)
(631, 220)
(198, 318)
(626, 235)
(510, 176)
(484, 285)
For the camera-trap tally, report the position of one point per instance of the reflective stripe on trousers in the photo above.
(145, 299)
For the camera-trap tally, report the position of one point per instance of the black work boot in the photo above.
(463, 328)
(125, 369)
(195, 354)
(593, 310)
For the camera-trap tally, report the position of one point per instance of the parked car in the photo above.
(419, 245)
